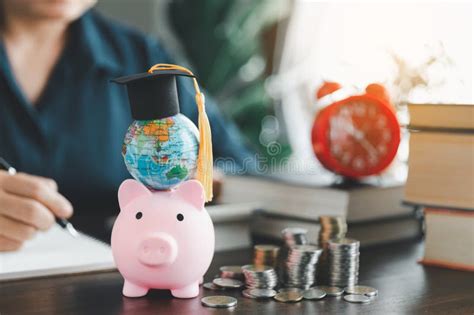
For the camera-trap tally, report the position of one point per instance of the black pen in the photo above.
(65, 224)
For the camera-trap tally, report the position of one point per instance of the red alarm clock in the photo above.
(357, 136)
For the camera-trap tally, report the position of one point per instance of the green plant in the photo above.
(222, 40)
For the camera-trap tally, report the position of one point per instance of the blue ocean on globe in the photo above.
(161, 153)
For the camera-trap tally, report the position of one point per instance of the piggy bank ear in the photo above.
(129, 190)
(193, 192)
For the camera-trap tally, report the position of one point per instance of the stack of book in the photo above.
(373, 210)
(441, 179)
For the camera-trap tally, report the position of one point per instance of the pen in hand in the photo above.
(65, 224)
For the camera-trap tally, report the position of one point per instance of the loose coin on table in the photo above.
(212, 286)
(228, 283)
(247, 294)
(291, 290)
(361, 290)
(288, 297)
(355, 298)
(314, 294)
(219, 301)
(330, 291)
(262, 293)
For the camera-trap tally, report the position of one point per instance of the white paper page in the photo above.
(56, 252)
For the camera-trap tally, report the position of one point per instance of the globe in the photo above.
(161, 153)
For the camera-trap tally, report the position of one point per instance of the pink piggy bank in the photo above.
(162, 239)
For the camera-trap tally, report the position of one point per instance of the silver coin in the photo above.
(339, 278)
(314, 294)
(355, 298)
(330, 291)
(298, 266)
(262, 293)
(228, 283)
(247, 294)
(361, 290)
(290, 290)
(233, 272)
(343, 262)
(219, 301)
(212, 286)
(288, 297)
(293, 236)
(256, 268)
(260, 276)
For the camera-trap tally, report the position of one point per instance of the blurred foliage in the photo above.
(222, 40)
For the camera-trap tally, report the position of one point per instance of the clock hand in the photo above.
(359, 136)
(349, 128)
(369, 147)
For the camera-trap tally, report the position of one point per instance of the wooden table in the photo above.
(405, 287)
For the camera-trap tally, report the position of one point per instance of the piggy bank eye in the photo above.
(180, 217)
(139, 215)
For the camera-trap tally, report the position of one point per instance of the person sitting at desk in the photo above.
(61, 119)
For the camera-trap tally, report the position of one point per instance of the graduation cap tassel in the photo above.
(205, 159)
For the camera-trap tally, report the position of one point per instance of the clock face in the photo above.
(356, 137)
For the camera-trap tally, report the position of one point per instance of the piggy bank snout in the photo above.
(157, 249)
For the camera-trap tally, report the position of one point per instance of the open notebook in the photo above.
(56, 252)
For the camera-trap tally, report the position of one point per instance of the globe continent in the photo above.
(161, 153)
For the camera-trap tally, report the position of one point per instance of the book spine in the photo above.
(451, 212)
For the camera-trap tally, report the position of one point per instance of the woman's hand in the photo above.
(27, 204)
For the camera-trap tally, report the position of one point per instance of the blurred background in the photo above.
(284, 71)
(263, 60)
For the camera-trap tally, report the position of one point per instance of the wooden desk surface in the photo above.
(405, 287)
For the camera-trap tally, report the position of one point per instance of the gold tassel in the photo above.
(205, 159)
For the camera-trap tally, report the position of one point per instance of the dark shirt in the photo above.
(74, 132)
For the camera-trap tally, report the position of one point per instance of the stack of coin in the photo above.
(291, 236)
(300, 266)
(265, 255)
(343, 262)
(260, 277)
(227, 283)
(232, 272)
(332, 227)
(294, 236)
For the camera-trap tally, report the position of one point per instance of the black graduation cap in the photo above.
(153, 95)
